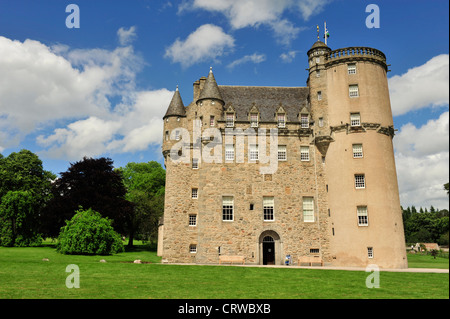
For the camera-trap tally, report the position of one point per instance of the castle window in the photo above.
(314, 251)
(363, 219)
(193, 220)
(282, 153)
(351, 68)
(355, 119)
(177, 135)
(268, 206)
(212, 120)
(194, 193)
(360, 181)
(320, 121)
(317, 60)
(254, 119)
(308, 209)
(353, 90)
(304, 153)
(192, 248)
(254, 152)
(357, 150)
(195, 163)
(167, 135)
(370, 252)
(229, 152)
(252, 206)
(230, 119)
(282, 120)
(319, 95)
(318, 73)
(304, 120)
(227, 208)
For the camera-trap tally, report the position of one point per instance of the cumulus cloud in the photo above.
(422, 86)
(254, 58)
(288, 57)
(126, 36)
(422, 158)
(81, 101)
(253, 13)
(208, 42)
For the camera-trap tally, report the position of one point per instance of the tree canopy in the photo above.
(90, 183)
(145, 184)
(24, 191)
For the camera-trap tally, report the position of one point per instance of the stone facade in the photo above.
(220, 201)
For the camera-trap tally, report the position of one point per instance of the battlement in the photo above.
(357, 53)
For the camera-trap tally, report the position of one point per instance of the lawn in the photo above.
(24, 274)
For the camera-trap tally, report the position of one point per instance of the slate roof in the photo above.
(210, 89)
(266, 99)
(176, 106)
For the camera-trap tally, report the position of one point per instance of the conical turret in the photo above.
(210, 89)
(176, 106)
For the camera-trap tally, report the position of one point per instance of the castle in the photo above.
(328, 189)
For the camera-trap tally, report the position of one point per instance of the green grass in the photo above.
(23, 274)
(427, 261)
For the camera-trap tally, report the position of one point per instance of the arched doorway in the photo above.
(269, 248)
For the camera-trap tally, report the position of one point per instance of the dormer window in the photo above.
(230, 119)
(254, 119)
(304, 120)
(281, 120)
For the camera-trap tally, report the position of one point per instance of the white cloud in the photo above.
(254, 58)
(253, 13)
(288, 57)
(208, 42)
(126, 37)
(67, 96)
(422, 159)
(422, 86)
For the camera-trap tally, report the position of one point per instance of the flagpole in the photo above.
(325, 32)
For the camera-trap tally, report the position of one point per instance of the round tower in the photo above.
(174, 119)
(210, 102)
(353, 119)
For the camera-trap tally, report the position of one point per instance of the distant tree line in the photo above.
(426, 226)
(36, 204)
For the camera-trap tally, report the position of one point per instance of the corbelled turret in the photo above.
(176, 106)
(210, 89)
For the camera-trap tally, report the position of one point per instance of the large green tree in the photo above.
(89, 183)
(145, 184)
(24, 191)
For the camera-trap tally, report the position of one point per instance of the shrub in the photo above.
(87, 233)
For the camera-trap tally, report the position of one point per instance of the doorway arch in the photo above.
(269, 248)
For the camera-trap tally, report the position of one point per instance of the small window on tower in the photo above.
(212, 120)
(353, 90)
(355, 119)
(319, 95)
(351, 68)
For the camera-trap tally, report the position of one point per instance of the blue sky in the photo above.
(101, 89)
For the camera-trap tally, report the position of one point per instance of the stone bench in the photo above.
(310, 260)
(231, 259)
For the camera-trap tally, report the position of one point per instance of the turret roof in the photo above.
(210, 89)
(176, 106)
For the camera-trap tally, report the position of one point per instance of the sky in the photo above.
(101, 88)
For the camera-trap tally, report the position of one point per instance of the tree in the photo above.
(24, 191)
(145, 189)
(87, 233)
(446, 188)
(90, 183)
